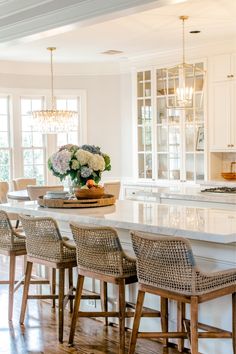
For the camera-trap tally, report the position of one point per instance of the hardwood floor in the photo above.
(39, 335)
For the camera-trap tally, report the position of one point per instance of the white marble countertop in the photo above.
(183, 191)
(205, 224)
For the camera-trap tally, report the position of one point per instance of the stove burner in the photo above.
(220, 190)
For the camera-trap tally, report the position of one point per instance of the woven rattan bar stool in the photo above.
(12, 244)
(166, 267)
(46, 246)
(100, 256)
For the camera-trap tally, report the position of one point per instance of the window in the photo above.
(70, 104)
(33, 148)
(5, 151)
(24, 150)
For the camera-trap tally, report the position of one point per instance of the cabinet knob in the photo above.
(228, 76)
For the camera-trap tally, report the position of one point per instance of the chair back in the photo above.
(4, 188)
(6, 231)
(22, 183)
(165, 262)
(98, 249)
(43, 238)
(113, 188)
(36, 191)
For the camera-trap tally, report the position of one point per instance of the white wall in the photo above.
(127, 134)
(108, 109)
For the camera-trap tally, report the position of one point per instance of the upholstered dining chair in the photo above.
(36, 191)
(112, 187)
(166, 267)
(22, 183)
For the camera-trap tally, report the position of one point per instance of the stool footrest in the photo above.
(162, 335)
(210, 331)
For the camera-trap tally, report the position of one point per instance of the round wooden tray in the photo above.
(105, 200)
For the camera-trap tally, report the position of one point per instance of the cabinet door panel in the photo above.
(221, 67)
(233, 65)
(221, 116)
(233, 116)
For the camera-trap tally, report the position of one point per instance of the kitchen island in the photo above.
(212, 233)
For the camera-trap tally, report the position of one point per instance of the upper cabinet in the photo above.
(223, 67)
(222, 103)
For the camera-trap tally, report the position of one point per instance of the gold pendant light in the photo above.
(52, 121)
(182, 81)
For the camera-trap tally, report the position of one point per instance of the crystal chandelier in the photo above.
(52, 121)
(182, 81)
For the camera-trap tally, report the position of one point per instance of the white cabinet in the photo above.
(223, 67)
(222, 105)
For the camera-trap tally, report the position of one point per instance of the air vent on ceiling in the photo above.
(112, 52)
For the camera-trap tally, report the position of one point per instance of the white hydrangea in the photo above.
(96, 162)
(61, 161)
(75, 164)
(83, 156)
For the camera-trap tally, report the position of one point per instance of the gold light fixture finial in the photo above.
(52, 121)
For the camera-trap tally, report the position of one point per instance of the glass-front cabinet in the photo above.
(144, 125)
(170, 142)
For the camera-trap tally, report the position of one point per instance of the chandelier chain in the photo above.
(183, 41)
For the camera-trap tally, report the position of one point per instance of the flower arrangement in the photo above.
(80, 163)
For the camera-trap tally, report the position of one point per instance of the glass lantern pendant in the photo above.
(182, 81)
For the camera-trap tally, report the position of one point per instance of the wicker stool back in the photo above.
(99, 250)
(43, 239)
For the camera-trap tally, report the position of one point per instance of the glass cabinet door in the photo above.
(144, 124)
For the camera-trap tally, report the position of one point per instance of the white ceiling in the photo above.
(138, 34)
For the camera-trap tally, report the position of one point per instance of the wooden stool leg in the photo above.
(70, 280)
(53, 285)
(180, 324)
(79, 288)
(137, 317)
(194, 325)
(12, 265)
(164, 318)
(122, 316)
(29, 266)
(234, 322)
(103, 294)
(61, 302)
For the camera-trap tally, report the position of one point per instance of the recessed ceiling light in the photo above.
(112, 52)
(196, 31)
